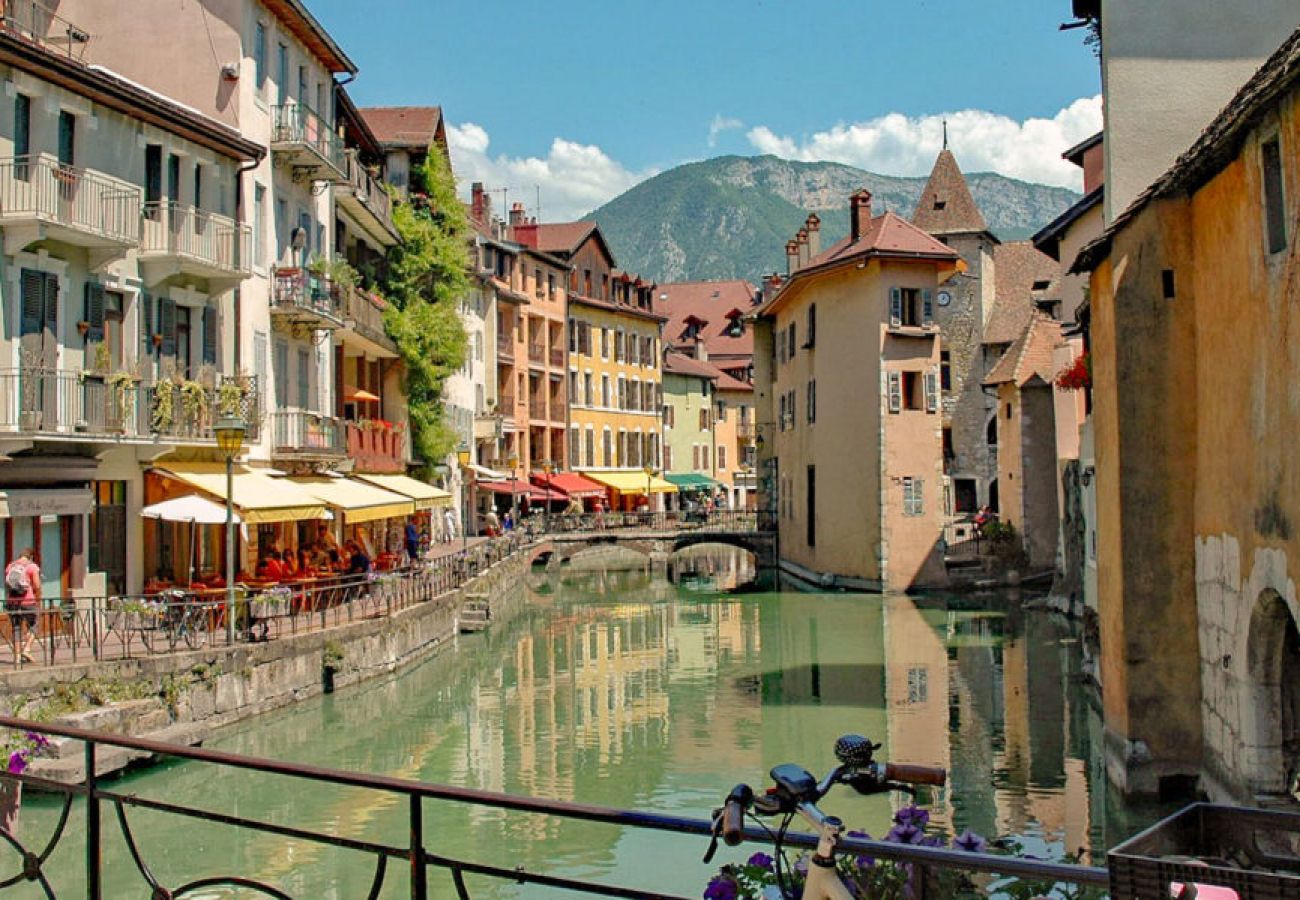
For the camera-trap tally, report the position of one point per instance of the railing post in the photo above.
(94, 888)
(419, 881)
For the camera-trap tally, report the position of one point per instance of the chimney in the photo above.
(814, 228)
(859, 213)
(478, 200)
(771, 284)
(791, 257)
(802, 240)
(516, 214)
(701, 352)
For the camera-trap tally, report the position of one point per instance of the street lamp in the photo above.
(230, 432)
(548, 467)
(514, 505)
(462, 456)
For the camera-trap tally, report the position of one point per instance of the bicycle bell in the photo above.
(854, 750)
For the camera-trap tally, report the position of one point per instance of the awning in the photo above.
(570, 483)
(426, 496)
(16, 503)
(259, 497)
(521, 489)
(691, 481)
(631, 482)
(358, 501)
(488, 474)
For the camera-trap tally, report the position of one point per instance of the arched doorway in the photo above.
(1273, 658)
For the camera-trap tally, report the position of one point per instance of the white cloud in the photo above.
(574, 178)
(896, 144)
(720, 124)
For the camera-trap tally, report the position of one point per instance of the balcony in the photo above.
(40, 199)
(557, 358)
(537, 409)
(305, 302)
(505, 348)
(367, 201)
(37, 24)
(183, 240)
(536, 354)
(745, 431)
(363, 320)
(375, 448)
(303, 435)
(82, 406)
(304, 140)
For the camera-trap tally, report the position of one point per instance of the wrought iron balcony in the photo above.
(40, 199)
(366, 199)
(301, 434)
(304, 139)
(363, 322)
(180, 239)
(305, 300)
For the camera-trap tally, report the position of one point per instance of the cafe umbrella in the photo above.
(192, 510)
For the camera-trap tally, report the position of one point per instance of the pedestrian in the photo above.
(449, 524)
(412, 536)
(508, 521)
(358, 561)
(493, 523)
(22, 598)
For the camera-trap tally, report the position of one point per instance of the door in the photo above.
(51, 550)
(39, 349)
(108, 534)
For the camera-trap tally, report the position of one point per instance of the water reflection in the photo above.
(613, 686)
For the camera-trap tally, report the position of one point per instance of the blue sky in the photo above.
(585, 98)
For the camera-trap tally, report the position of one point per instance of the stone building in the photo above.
(1193, 297)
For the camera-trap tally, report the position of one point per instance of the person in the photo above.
(492, 522)
(23, 595)
(270, 568)
(412, 536)
(358, 562)
(449, 520)
(507, 521)
(289, 563)
(983, 518)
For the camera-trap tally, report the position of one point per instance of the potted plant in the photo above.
(121, 398)
(164, 406)
(230, 397)
(19, 750)
(194, 403)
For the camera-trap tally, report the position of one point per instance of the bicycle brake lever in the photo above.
(713, 841)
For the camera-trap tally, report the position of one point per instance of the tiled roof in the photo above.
(726, 382)
(709, 302)
(1030, 354)
(680, 364)
(1218, 145)
(884, 234)
(611, 306)
(946, 205)
(403, 126)
(1018, 266)
(562, 237)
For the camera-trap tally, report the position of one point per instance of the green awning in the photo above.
(691, 481)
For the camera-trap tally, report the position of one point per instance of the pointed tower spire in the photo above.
(946, 205)
(945, 134)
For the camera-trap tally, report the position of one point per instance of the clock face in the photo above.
(944, 298)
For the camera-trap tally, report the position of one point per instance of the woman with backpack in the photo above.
(23, 594)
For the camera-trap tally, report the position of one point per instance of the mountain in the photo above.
(730, 217)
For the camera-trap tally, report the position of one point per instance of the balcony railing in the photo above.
(557, 358)
(73, 205)
(74, 403)
(306, 299)
(375, 448)
(369, 194)
(745, 431)
(505, 348)
(37, 23)
(364, 314)
(536, 353)
(537, 408)
(300, 433)
(196, 241)
(311, 146)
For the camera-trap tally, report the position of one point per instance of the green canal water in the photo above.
(611, 687)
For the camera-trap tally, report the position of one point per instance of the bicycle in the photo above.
(796, 792)
(179, 619)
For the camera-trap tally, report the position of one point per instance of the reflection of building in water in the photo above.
(712, 568)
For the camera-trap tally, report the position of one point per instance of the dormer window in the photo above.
(940, 204)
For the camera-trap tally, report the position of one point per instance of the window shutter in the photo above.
(895, 392)
(50, 289)
(918, 497)
(793, 343)
(781, 419)
(927, 308)
(167, 325)
(792, 407)
(33, 287)
(147, 325)
(931, 392)
(895, 307)
(210, 335)
(812, 325)
(94, 312)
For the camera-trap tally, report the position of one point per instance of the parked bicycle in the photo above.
(179, 620)
(796, 791)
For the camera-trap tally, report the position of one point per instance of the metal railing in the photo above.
(83, 629)
(714, 521)
(537, 408)
(72, 402)
(39, 24)
(298, 124)
(298, 291)
(505, 347)
(216, 241)
(364, 314)
(38, 188)
(536, 353)
(557, 358)
(370, 191)
(298, 432)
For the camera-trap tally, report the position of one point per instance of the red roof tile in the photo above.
(680, 364)
(404, 126)
(1018, 266)
(885, 234)
(710, 302)
(946, 205)
(1030, 354)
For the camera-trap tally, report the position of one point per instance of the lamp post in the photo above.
(548, 467)
(230, 432)
(462, 456)
(514, 502)
(649, 474)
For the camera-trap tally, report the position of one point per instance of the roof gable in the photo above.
(946, 205)
(1030, 356)
(405, 127)
(709, 304)
(1018, 266)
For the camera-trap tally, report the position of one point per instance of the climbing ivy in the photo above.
(428, 276)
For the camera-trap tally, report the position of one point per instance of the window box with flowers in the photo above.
(1077, 376)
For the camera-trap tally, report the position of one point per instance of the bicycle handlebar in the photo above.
(733, 814)
(908, 774)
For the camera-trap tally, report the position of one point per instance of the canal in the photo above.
(613, 687)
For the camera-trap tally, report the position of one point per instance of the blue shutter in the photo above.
(94, 311)
(927, 308)
(895, 307)
(147, 325)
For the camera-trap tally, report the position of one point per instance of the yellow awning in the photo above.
(426, 496)
(632, 482)
(358, 501)
(259, 497)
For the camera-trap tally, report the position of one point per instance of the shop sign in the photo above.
(44, 502)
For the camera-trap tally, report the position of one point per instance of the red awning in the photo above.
(570, 483)
(522, 489)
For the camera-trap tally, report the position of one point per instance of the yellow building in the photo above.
(1194, 375)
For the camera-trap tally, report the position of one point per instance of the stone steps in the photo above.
(68, 766)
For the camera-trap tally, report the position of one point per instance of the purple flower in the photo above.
(970, 842)
(801, 865)
(38, 740)
(931, 840)
(862, 862)
(912, 815)
(17, 762)
(722, 887)
(905, 833)
(760, 859)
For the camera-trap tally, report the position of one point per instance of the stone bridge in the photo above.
(657, 544)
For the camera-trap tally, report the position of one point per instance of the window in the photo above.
(173, 178)
(184, 361)
(810, 508)
(590, 442)
(812, 326)
(790, 404)
(259, 224)
(670, 415)
(791, 337)
(781, 417)
(812, 400)
(588, 392)
(320, 98)
(302, 85)
(895, 391)
(280, 369)
(114, 316)
(282, 73)
(198, 191)
(910, 308)
(537, 283)
(704, 420)
(913, 500)
(965, 499)
(67, 139)
(259, 55)
(945, 370)
(722, 457)
(704, 458)
(722, 411)
(911, 387)
(618, 346)
(604, 391)
(948, 452)
(574, 442)
(1274, 195)
(931, 392)
(668, 457)
(22, 131)
(304, 378)
(991, 432)
(604, 343)
(607, 448)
